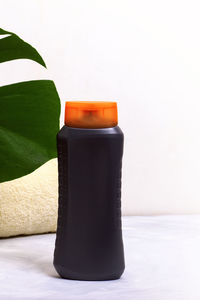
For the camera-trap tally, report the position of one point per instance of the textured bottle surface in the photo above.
(89, 242)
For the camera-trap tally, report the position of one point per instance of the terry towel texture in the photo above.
(28, 205)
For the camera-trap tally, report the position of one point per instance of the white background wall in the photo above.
(144, 54)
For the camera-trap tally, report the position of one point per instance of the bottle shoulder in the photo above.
(72, 132)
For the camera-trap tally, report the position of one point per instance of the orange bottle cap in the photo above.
(90, 114)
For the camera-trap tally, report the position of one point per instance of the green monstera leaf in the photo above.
(29, 116)
(12, 47)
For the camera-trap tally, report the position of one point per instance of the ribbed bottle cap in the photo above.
(90, 114)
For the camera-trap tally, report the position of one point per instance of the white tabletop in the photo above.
(162, 263)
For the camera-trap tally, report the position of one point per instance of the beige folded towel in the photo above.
(29, 204)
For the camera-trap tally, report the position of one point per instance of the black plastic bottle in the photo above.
(89, 242)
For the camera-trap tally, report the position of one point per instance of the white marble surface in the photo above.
(162, 263)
